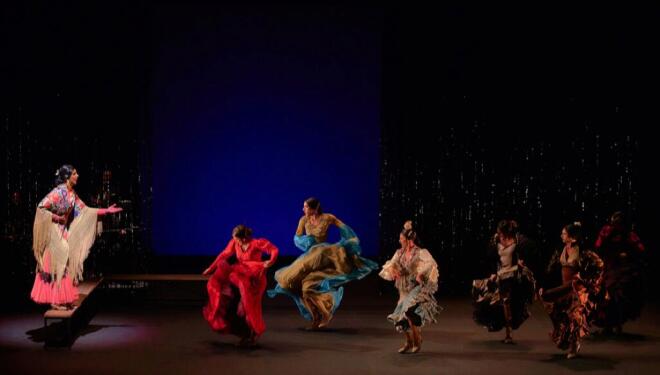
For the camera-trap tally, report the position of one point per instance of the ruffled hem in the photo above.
(234, 304)
(420, 298)
(52, 292)
(338, 271)
(488, 304)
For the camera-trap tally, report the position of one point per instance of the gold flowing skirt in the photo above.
(306, 274)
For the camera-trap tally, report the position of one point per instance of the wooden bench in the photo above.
(177, 289)
(84, 290)
(157, 277)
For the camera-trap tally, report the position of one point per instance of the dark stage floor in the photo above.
(170, 339)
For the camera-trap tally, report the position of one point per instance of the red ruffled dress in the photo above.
(235, 290)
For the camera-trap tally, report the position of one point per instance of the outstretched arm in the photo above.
(110, 210)
(226, 253)
(79, 205)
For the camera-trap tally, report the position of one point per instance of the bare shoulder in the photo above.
(331, 218)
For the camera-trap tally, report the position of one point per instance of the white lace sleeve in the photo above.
(391, 267)
(427, 267)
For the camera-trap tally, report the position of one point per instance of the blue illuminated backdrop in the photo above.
(253, 111)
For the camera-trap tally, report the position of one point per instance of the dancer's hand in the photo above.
(521, 263)
(110, 210)
(59, 219)
(493, 277)
(267, 264)
(539, 296)
(114, 209)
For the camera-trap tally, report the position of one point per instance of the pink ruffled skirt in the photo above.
(47, 290)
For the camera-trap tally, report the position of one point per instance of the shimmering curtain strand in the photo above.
(32, 151)
(469, 178)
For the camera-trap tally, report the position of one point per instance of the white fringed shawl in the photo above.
(65, 255)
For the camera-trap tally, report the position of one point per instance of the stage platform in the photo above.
(133, 337)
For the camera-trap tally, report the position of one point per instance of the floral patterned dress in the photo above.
(60, 248)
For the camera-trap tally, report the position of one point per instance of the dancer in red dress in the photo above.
(235, 290)
(622, 296)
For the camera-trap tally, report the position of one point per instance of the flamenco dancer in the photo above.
(622, 296)
(503, 300)
(64, 231)
(415, 275)
(235, 290)
(570, 303)
(314, 280)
